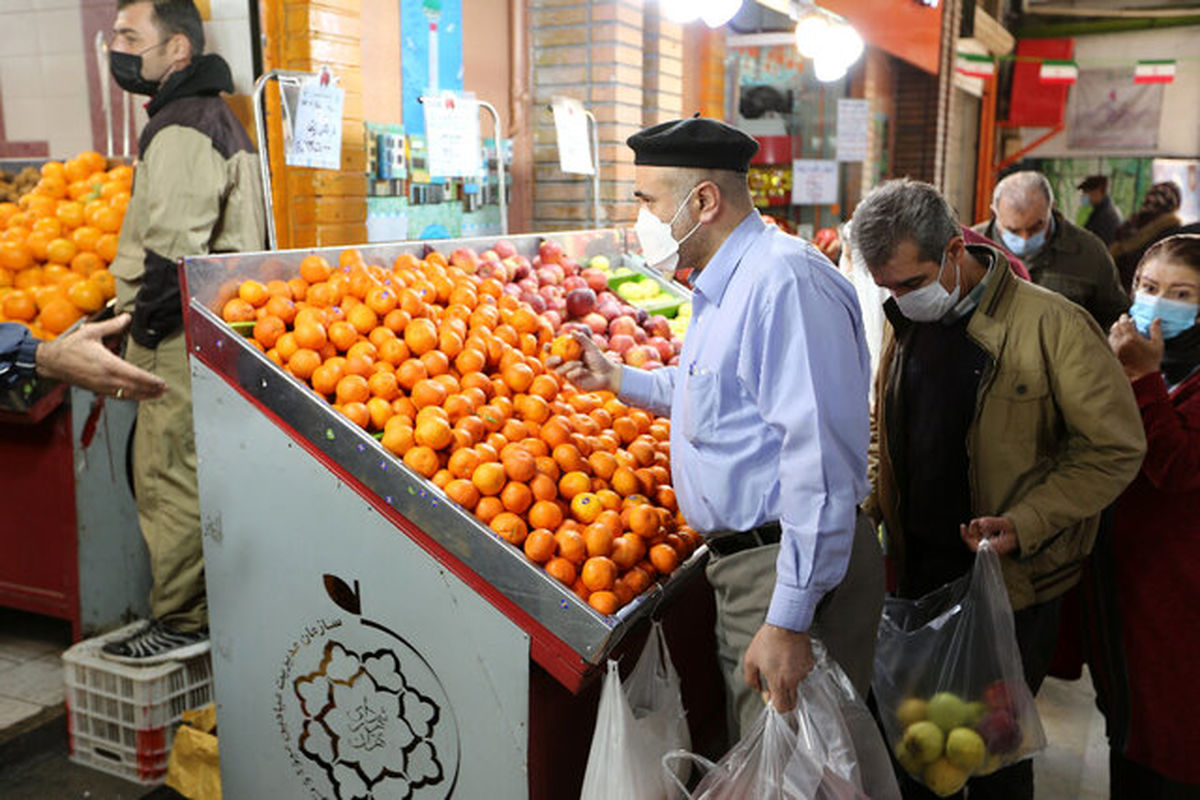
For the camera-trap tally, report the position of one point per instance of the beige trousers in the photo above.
(847, 618)
(164, 479)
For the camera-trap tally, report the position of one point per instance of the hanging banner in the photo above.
(432, 54)
(814, 182)
(571, 130)
(452, 140)
(316, 139)
(975, 66)
(1106, 111)
(1058, 72)
(1154, 72)
(853, 125)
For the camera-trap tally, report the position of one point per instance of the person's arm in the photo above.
(185, 181)
(1172, 437)
(82, 358)
(1105, 442)
(18, 349)
(648, 389)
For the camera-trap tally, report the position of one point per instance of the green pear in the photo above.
(965, 749)
(914, 709)
(948, 711)
(924, 741)
(943, 778)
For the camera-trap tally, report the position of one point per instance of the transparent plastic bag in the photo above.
(948, 679)
(827, 748)
(635, 726)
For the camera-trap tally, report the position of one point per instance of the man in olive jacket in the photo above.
(999, 413)
(196, 190)
(1060, 255)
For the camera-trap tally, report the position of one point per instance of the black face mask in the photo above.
(126, 70)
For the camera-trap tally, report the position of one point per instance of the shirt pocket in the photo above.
(701, 403)
(1019, 400)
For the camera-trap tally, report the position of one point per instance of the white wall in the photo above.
(1179, 129)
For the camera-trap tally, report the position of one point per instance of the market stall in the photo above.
(368, 632)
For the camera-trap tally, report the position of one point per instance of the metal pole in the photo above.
(105, 90)
(596, 169)
(500, 172)
(260, 129)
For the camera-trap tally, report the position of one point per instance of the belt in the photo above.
(728, 544)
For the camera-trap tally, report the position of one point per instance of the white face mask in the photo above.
(659, 246)
(931, 302)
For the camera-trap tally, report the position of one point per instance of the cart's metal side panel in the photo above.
(347, 661)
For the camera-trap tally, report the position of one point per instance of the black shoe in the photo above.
(155, 644)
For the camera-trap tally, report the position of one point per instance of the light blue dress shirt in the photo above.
(768, 408)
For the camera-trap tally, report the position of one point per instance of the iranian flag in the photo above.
(1059, 72)
(975, 66)
(1154, 72)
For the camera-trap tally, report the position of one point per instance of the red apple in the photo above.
(512, 289)
(570, 266)
(595, 321)
(674, 361)
(553, 317)
(465, 258)
(574, 282)
(662, 346)
(518, 269)
(622, 324)
(637, 356)
(595, 279)
(657, 325)
(551, 252)
(504, 248)
(601, 340)
(621, 342)
(581, 302)
(639, 335)
(489, 255)
(535, 301)
(548, 277)
(528, 284)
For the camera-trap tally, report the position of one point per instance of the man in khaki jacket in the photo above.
(1000, 413)
(196, 190)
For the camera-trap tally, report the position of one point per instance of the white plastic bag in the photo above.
(635, 727)
(827, 748)
(949, 682)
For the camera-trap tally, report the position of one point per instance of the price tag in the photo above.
(452, 136)
(574, 146)
(853, 122)
(814, 182)
(316, 139)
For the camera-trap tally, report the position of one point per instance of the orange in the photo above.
(381, 300)
(428, 392)
(86, 263)
(585, 507)
(19, 306)
(463, 462)
(664, 558)
(58, 315)
(571, 545)
(543, 487)
(357, 413)
(567, 456)
(598, 573)
(489, 478)
(625, 482)
(540, 545)
(572, 484)
(268, 330)
(510, 527)
(106, 246)
(545, 514)
(410, 373)
(516, 497)
(70, 214)
(520, 465)
(302, 362)
(518, 377)
(315, 269)
(397, 436)
(362, 318)
(561, 570)
(644, 521)
(254, 293)
(86, 296)
(605, 602)
(282, 306)
(434, 432)
(567, 348)
(353, 389)
(463, 492)
(625, 552)
(435, 363)
(422, 460)
(637, 580)
(599, 540)
(383, 385)
(421, 336)
(488, 508)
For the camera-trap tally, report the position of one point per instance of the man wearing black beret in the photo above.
(768, 410)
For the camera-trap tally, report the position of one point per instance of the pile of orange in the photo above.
(448, 370)
(57, 241)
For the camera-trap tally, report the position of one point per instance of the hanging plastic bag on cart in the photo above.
(635, 726)
(827, 748)
(948, 679)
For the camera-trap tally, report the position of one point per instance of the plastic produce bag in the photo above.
(827, 748)
(949, 683)
(635, 726)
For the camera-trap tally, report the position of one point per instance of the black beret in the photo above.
(1093, 182)
(693, 142)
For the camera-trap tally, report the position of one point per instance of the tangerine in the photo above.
(540, 545)
(422, 460)
(510, 527)
(598, 573)
(561, 570)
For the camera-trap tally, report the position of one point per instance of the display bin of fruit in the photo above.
(949, 683)
(388, 471)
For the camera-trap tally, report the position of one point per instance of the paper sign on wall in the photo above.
(814, 182)
(455, 149)
(574, 146)
(316, 139)
(853, 121)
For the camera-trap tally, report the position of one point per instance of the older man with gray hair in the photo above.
(1000, 413)
(1061, 256)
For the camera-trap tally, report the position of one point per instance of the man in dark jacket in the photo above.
(1105, 217)
(196, 190)
(1060, 255)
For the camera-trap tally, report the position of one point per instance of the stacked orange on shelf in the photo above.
(57, 241)
(448, 369)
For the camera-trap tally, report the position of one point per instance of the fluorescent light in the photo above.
(811, 31)
(829, 70)
(716, 13)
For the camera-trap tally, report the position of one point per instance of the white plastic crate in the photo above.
(122, 718)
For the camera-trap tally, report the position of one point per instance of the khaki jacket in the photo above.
(1056, 436)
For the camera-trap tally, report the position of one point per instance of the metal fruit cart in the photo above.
(369, 636)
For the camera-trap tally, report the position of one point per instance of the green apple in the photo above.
(599, 262)
(948, 711)
(924, 741)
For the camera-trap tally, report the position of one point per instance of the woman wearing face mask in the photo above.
(1144, 621)
(1155, 220)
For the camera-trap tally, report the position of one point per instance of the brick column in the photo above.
(625, 65)
(313, 207)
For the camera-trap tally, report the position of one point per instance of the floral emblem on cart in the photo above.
(367, 727)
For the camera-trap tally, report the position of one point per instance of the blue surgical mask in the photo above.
(1176, 315)
(1024, 247)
